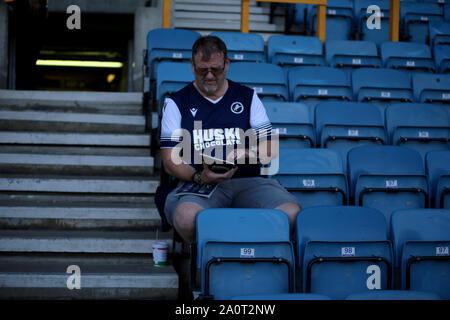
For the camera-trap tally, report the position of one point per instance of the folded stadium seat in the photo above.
(394, 295)
(301, 14)
(283, 296)
(294, 123)
(169, 45)
(268, 80)
(314, 176)
(414, 19)
(438, 171)
(409, 56)
(288, 50)
(421, 244)
(381, 86)
(342, 250)
(439, 33)
(364, 21)
(350, 54)
(432, 88)
(419, 126)
(243, 46)
(339, 19)
(311, 85)
(387, 178)
(442, 58)
(171, 77)
(447, 11)
(342, 126)
(243, 252)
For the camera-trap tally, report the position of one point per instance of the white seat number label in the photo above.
(298, 60)
(177, 55)
(348, 251)
(247, 252)
(391, 184)
(442, 251)
(309, 183)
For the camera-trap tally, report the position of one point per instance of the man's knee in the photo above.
(291, 209)
(184, 219)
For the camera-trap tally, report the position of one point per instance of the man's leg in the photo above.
(184, 220)
(291, 209)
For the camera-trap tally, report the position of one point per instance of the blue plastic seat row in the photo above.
(386, 178)
(336, 252)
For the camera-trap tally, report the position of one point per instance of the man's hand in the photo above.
(210, 177)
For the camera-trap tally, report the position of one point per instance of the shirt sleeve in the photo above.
(259, 120)
(170, 125)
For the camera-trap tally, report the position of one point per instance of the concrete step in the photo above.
(79, 184)
(226, 16)
(100, 102)
(74, 139)
(211, 24)
(70, 122)
(101, 277)
(75, 164)
(213, 7)
(215, 2)
(81, 150)
(76, 241)
(80, 218)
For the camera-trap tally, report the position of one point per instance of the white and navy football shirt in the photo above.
(214, 123)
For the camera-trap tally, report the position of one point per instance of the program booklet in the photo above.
(194, 189)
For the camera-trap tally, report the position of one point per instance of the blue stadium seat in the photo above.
(381, 86)
(442, 58)
(290, 50)
(419, 126)
(387, 178)
(352, 54)
(421, 245)
(311, 85)
(343, 250)
(408, 56)
(394, 295)
(268, 80)
(237, 250)
(283, 296)
(338, 20)
(169, 45)
(414, 19)
(438, 172)
(171, 77)
(432, 88)
(447, 11)
(439, 33)
(367, 31)
(294, 123)
(243, 46)
(342, 126)
(314, 176)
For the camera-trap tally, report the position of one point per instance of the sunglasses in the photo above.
(214, 70)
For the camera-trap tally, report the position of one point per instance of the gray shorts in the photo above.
(254, 192)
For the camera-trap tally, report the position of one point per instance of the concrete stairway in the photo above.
(76, 188)
(205, 16)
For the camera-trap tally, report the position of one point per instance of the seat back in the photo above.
(408, 56)
(171, 77)
(243, 46)
(311, 85)
(338, 21)
(342, 126)
(442, 58)
(268, 80)
(381, 86)
(439, 33)
(351, 54)
(314, 176)
(422, 127)
(366, 30)
(387, 178)
(414, 19)
(238, 248)
(438, 171)
(394, 295)
(343, 250)
(431, 88)
(421, 243)
(294, 124)
(290, 50)
(169, 45)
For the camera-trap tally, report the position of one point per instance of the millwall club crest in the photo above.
(193, 111)
(237, 108)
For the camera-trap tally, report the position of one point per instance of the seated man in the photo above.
(213, 112)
